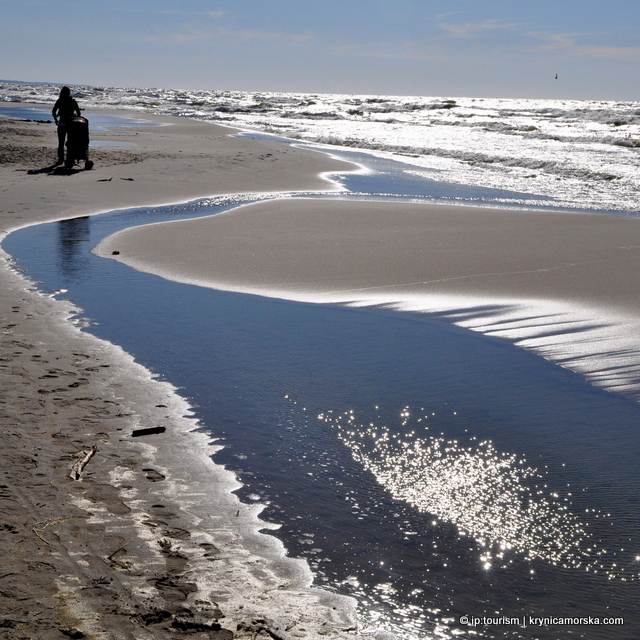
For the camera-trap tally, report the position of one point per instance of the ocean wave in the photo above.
(581, 153)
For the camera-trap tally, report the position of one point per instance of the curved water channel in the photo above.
(432, 472)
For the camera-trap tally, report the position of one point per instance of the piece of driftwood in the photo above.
(111, 559)
(79, 465)
(43, 525)
(147, 432)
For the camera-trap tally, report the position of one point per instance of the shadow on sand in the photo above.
(59, 170)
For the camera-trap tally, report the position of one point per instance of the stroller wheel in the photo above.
(88, 165)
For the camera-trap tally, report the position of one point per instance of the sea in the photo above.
(460, 471)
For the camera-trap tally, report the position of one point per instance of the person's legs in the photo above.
(62, 134)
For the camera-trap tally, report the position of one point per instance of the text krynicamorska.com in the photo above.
(537, 621)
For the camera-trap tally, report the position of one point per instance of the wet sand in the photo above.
(348, 249)
(563, 285)
(146, 541)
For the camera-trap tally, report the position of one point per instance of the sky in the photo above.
(455, 48)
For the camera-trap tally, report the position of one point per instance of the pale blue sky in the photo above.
(483, 48)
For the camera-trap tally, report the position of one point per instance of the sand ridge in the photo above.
(342, 246)
(562, 284)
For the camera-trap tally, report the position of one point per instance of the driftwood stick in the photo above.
(39, 536)
(79, 465)
(111, 560)
(44, 526)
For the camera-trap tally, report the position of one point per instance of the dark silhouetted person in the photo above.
(64, 109)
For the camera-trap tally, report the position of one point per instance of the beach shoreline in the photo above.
(133, 548)
(561, 284)
(149, 541)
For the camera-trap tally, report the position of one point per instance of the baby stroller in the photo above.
(78, 142)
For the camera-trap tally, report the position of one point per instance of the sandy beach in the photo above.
(148, 542)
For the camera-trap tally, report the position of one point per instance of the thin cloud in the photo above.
(433, 49)
(198, 33)
(404, 51)
(255, 34)
(471, 29)
(566, 44)
(170, 12)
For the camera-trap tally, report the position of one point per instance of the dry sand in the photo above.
(149, 542)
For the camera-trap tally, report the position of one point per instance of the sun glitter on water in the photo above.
(492, 497)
